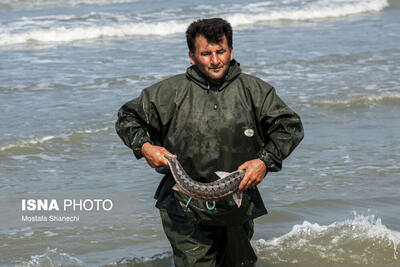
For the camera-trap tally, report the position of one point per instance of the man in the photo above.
(214, 118)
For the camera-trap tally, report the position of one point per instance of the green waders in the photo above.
(196, 245)
(204, 237)
(208, 234)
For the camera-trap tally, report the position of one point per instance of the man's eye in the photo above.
(220, 51)
(206, 54)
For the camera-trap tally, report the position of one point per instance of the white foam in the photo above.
(41, 140)
(28, 234)
(62, 34)
(155, 259)
(92, 32)
(52, 257)
(309, 13)
(391, 98)
(89, 131)
(25, 143)
(49, 233)
(334, 241)
(36, 3)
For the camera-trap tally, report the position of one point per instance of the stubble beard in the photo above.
(221, 78)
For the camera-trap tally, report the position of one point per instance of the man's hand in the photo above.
(255, 173)
(154, 155)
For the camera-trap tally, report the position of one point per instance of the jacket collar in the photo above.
(193, 73)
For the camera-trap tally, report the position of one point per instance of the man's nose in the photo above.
(214, 59)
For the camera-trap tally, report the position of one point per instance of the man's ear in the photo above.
(231, 56)
(191, 58)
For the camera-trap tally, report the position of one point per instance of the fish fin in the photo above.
(222, 174)
(237, 197)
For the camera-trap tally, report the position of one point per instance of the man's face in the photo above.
(212, 59)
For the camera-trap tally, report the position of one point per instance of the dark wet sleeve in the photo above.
(133, 123)
(282, 129)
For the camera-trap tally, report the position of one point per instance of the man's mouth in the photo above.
(217, 68)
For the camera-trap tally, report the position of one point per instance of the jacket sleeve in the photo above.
(133, 123)
(146, 118)
(282, 130)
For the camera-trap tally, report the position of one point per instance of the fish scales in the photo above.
(204, 191)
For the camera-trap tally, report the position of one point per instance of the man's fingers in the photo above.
(243, 166)
(252, 183)
(165, 161)
(155, 155)
(151, 164)
(162, 160)
(255, 172)
(244, 183)
(249, 180)
(248, 183)
(242, 186)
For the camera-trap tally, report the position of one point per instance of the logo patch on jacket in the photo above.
(249, 132)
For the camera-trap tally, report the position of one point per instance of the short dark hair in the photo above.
(212, 29)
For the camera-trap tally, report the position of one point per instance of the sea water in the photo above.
(67, 66)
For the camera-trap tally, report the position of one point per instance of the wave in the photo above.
(310, 13)
(52, 257)
(162, 259)
(40, 140)
(359, 241)
(386, 99)
(14, 4)
(92, 32)
(62, 34)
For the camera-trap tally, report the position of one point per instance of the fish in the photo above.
(226, 185)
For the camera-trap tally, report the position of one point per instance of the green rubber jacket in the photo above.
(212, 128)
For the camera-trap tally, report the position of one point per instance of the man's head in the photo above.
(210, 47)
